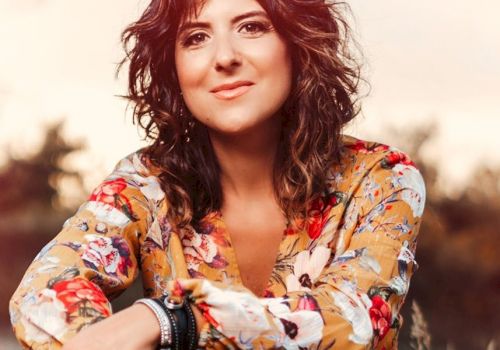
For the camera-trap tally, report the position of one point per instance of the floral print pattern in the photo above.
(307, 268)
(339, 282)
(77, 291)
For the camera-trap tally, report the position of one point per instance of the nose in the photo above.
(227, 57)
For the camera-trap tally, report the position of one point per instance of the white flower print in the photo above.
(399, 285)
(409, 178)
(151, 188)
(134, 170)
(354, 307)
(299, 328)
(48, 264)
(48, 311)
(307, 268)
(107, 213)
(239, 314)
(366, 261)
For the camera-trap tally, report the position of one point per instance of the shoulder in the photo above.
(368, 164)
(355, 152)
(358, 155)
(136, 164)
(135, 172)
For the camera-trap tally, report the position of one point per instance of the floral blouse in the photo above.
(338, 282)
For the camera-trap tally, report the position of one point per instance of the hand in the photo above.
(200, 320)
(133, 328)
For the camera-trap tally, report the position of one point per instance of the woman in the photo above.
(249, 206)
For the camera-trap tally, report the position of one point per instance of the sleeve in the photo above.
(91, 260)
(346, 289)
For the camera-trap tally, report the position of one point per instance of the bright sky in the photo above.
(426, 59)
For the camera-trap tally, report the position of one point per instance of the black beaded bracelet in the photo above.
(176, 333)
(182, 323)
(192, 336)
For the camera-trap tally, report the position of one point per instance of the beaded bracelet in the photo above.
(185, 322)
(177, 323)
(175, 342)
(192, 335)
(163, 319)
(182, 323)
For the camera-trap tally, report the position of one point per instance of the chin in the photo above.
(234, 128)
(235, 122)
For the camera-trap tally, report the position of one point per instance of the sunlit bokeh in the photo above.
(425, 60)
(429, 63)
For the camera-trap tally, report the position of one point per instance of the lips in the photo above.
(232, 90)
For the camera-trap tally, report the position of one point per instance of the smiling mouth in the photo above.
(229, 94)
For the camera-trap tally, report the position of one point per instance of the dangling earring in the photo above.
(187, 131)
(190, 122)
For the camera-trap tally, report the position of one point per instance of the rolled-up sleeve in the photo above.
(93, 258)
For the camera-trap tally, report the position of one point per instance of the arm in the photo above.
(354, 301)
(93, 259)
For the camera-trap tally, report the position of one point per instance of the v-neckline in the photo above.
(232, 256)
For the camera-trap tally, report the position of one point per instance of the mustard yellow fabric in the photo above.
(338, 283)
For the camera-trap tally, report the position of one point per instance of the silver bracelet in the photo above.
(163, 320)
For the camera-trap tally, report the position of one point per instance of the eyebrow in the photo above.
(191, 25)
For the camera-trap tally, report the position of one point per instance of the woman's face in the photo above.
(234, 70)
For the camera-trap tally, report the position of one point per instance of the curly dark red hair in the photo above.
(324, 97)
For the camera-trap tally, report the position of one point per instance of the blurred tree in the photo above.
(458, 280)
(30, 210)
(33, 180)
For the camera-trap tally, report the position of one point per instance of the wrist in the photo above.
(200, 319)
(149, 325)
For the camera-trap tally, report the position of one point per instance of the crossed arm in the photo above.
(353, 303)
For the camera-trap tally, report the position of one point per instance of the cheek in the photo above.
(190, 69)
(274, 58)
(276, 65)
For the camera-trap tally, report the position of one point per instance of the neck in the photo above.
(247, 161)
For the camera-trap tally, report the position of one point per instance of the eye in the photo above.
(255, 27)
(194, 39)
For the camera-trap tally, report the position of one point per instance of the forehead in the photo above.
(217, 9)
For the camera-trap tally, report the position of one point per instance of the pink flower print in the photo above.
(110, 193)
(78, 292)
(380, 315)
(100, 252)
(394, 158)
(307, 302)
(366, 148)
(318, 216)
(201, 248)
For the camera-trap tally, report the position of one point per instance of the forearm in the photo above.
(135, 326)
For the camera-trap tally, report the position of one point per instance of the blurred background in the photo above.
(434, 70)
